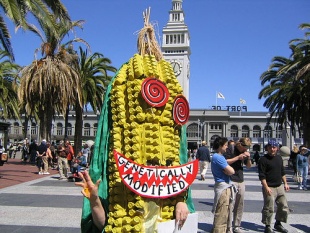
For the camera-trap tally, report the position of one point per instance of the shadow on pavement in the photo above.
(301, 227)
(204, 227)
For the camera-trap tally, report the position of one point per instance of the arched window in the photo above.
(95, 129)
(33, 129)
(86, 129)
(212, 140)
(16, 128)
(234, 131)
(69, 129)
(245, 131)
(59, 129)
(192, 131)
(279, 131)
(268, 131)
(256, 131)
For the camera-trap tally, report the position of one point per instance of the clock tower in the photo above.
(175, 45)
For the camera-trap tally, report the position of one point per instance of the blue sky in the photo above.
(232, 41)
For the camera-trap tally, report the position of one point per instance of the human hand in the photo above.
(181, 213)
(268, 191)
(286, 187)
(90, 190)
(246, 154)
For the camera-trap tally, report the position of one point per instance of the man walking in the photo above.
(237, 156)
(271, 174)
(203, 155)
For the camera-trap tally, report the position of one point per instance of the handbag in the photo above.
(4, 157)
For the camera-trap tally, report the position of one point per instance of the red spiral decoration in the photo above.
(180, 110)
(154, 92)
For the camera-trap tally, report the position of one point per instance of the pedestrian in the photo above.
(223, 188)
(293, 157)
(237, 157)
(2, 160)
(272, 176)
(78, 162)
(54, 156)
(70, 153)
(46, 158)
(256, 157)
(25, 152)
(33, 147)
(203, 155)
(11, 150)
(193, 155)
(62, 162)
(86, 153)
(302, 166)
(42, 160)
(14, 148)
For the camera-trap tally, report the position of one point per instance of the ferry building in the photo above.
(232, 122)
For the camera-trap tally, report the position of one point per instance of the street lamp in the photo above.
(201, 125)
(266, 130)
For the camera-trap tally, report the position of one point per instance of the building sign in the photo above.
(231, 108)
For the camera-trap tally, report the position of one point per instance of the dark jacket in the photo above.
(203, 154)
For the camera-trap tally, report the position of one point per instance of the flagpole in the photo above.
(240, 106)
(215, 100)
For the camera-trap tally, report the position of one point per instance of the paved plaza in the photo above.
(49, 205)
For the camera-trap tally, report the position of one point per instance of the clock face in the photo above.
(177, 67)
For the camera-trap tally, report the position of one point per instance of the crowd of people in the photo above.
(48, 156)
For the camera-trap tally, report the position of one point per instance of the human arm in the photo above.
(286, 186)
(234, 159)
(247, 160)
(228, 170)
(90, 191)
(266, 187)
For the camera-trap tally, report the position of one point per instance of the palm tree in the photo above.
(8, 87)
(287, 88)
(94, 73)
(18, 10)
(50, 85)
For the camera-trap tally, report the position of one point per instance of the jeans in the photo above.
(304, 174)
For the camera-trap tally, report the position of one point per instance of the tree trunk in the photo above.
(25, 129)
(66, 123)
(46, 119)
(306, 131)
(78, 128)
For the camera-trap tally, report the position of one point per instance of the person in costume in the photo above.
(90, 191)
(140, 152)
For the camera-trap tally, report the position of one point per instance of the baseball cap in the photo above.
(273, 142)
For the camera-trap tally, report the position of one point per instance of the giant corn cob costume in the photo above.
(141, 148)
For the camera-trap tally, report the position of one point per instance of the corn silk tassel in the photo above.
(143, 128)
